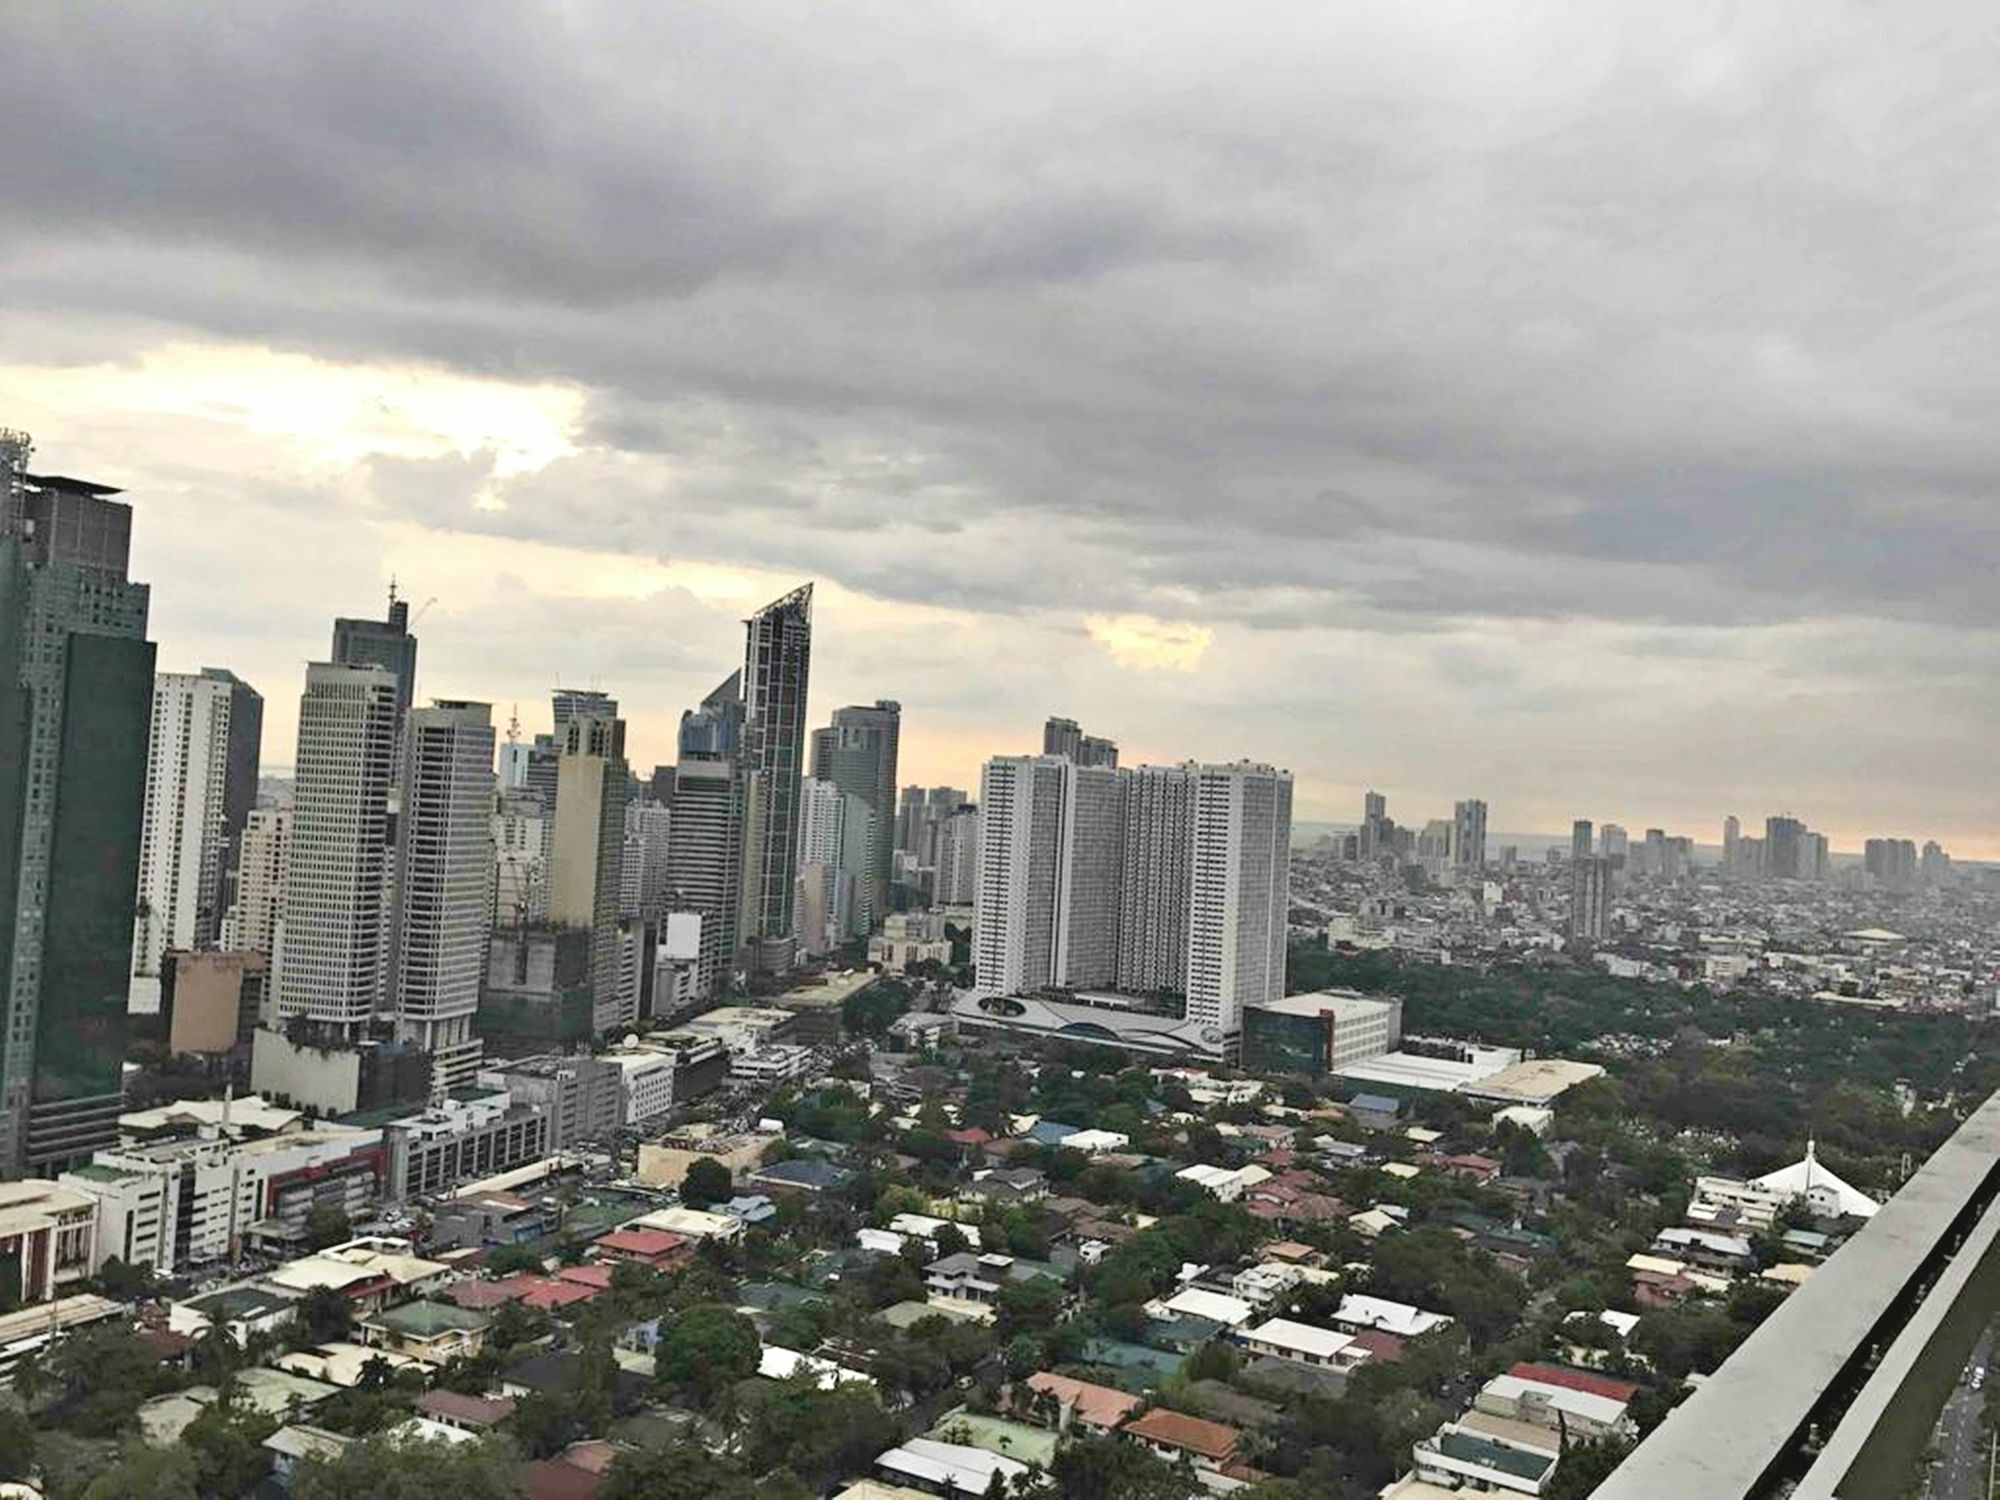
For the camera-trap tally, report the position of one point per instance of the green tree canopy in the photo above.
(384, 1468)
(707, 1347)
(707, 1181)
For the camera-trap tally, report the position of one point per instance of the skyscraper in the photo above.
(263, 858)
(1065, 737)
(1370, 840)
(1579, 840)
(1468, 835)
(443, 914)
(201, 782)
(578, 703)
(385, 643)
(586, 854)
(1784, 848)
(1158, 864)
(1732, 845)
(777, 660)
(1089, 850)
(1614, 844)
(1020, 826)
(705, 861)
(1240, 893)
(857, 754)
(1590, 898)
(332, 959)
(958, 858)
(76, 691)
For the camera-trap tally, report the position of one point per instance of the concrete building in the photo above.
(1239, 892)
(581, 1095)
(460, 1139)
(857, 754)
(521, 834)
(443, 910)
(264, 855)
(705, 864)
(48, 1240)
(956, 881)
(587, 851)
(1065, 738)
(209, 1002)
(1590, 899)
(665, 1162)
(910, 937)
(1318, 1034)
(72, 794)
(201, 782)
(385, 643)
(1020, 822)
(536, 993)
(1089, 851)
(1468, 834)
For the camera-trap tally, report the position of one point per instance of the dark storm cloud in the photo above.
(1627, 312)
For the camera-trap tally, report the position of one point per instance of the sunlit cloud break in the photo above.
(1142, 642)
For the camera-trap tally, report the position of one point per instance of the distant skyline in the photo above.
(1581, 408)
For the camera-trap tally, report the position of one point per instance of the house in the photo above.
(1460, 1457)
(1374, 1111)
(1099, 1408)
(969, 1277)
(1199, 1302)
(800, 1175)
(1575, 1403)
(659, 1249)
(1304, 1344)
(1262, 1284)
(432, 1332)
(1702, 1247)
(342, 1364)
(242, 1311)
(1174, 1436)
(938, 1468)
(1405, 1322)
(1006, 1185)
(293, 1444)
(752, 1208)
(551, 1371)
(473, 1414)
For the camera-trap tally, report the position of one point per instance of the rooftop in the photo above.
(1178, 1430)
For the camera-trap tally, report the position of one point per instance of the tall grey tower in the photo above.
(1241, 893)
(777, 660)
(385, 643)
(1158, 863)
(858, 755)
(444, 877)
(1468, 835)
(587, 853)
(76, 697)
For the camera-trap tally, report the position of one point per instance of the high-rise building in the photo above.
(1614, 844)
(1579, 839)
(443, 914)
(958, 858)
(579, 703)
(1065, 737)
(857, 754)
(521, 839)
(76, 694)
(777, 660)
(257, 917)
(1891, 862)
(1468, 834)
(587, 852)
(648, 847)
(1240, 893)
(1590, 898)
(1158, 865)
(1088, 874)
(1020, 827)
(201, 782)
(332, 956)
(1784, 848)
(705, 862)
(1935, 866)
(385, 643)
(1732, 845)
(1369, 841)
(826, 890)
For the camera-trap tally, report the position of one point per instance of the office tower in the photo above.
(1815, 857)
(1369, 841)
(1434, 844)
(1579, 839)
(1240, 893)
(1158, 865)
(1732, 844)
(1590, 898)
(1653, 853)
(920, 818)
(1468, 835)
(331, 960)
(579, 703)
(777, 660)
(660, 786)
(586, 852)
(1088, 875)
(858, 755)
(837, 840)
(715, 729)
(443, 916)
(1613, 844)
(910, 829)
(958, 858)
(1020, 826)
(705, 862)
(1065, 737)
(76, 694)
(1935, 866)
(201, 782)
(514, 758)
(385, 643)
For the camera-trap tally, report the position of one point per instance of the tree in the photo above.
(1107, 1469)
(683, 1471)
(123, 1281)
(101, 1376)
(17, 1444)
(818, 1435)
(382, 1468)
(225, 1440)
(707, 1181)
(147, 1473)
(706, 1348)
(324, 1316)
(508, 1259)
(327, 1225)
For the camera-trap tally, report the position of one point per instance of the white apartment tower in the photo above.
(1088, 877)
(443, 913)
(201, 779)
(1020, 827)
(333, 954)
(958, 858)
(263, 857)
(1239, 892)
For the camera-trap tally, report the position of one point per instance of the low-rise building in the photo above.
(1315, 1035)
(1460, 1457)
(48, 1239)
(1303, 1344)
(665, 1162)
(1176, 1436)
(581, 1095)
(469, 1134)
(1357, 1312)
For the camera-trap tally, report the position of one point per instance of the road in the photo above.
(1962, 1471)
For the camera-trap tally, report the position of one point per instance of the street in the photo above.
(1963, 1470)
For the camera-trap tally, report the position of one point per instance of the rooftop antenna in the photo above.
(514, 724)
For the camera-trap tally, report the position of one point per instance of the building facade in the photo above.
(777, 661)
(1240, 892)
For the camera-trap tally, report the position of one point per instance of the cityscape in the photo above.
(953, 752)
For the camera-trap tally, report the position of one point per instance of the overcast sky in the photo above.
(1584, 406)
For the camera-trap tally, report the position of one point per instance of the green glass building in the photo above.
(76, 691)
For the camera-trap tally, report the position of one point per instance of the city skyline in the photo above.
(1508, 461)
